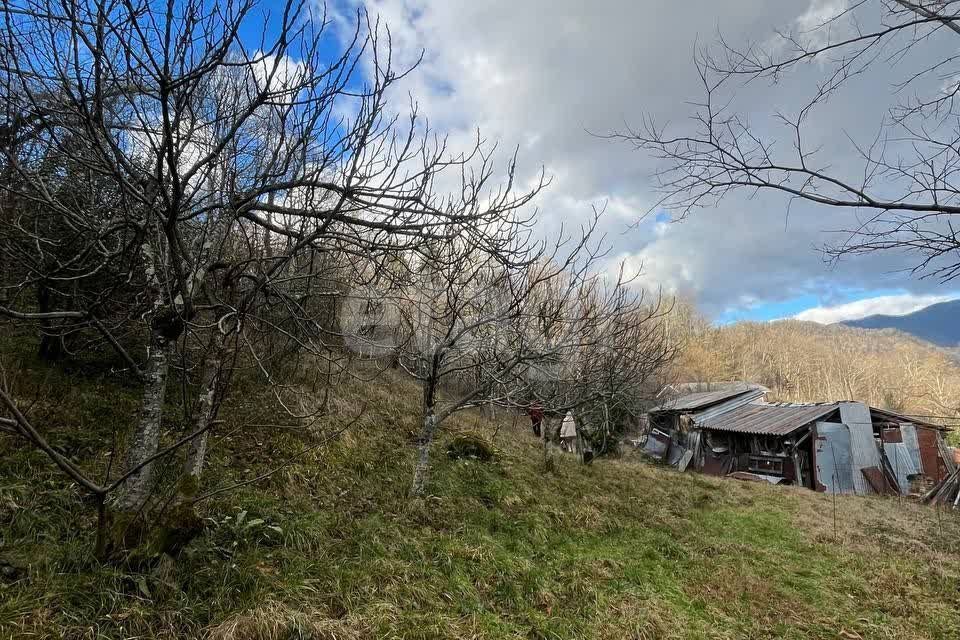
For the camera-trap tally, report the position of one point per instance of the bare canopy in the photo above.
(905, 190)
(197, 202)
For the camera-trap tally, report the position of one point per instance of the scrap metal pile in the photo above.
(947, 491)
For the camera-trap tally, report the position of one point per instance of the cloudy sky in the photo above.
(544, 76)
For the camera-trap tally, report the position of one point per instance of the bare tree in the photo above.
(508, 322)
(905, 187)
(239, 183)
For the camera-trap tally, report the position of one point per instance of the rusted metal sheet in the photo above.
(901, 462)
(833, 458)
(693, 401)
(712, 412)
(863, 447)
(932, 462)
(768, 419)
(910, 439)
(882, 415)
(877, 480)
(715, 464)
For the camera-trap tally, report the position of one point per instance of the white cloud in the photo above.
(281, 74)
(896, 305)
(818, 24)
(542, 78)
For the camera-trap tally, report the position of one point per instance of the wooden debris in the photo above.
(946, 492)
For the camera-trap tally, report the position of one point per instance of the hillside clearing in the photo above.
(331, 547)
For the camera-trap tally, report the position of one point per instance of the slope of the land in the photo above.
(938, 323)
(331, 546)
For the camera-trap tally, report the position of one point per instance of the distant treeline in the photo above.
(809, 362)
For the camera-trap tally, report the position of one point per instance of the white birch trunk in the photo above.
(421, 471)
(145, 439)
(210, 378)
(193, 464)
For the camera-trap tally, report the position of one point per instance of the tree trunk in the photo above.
(421, 471)
(51, 344)
(146, 436)
(193, 465)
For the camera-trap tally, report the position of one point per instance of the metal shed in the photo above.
(843, 447)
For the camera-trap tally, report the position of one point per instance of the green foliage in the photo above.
(235, 532)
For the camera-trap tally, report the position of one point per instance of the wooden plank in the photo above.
(946, 454)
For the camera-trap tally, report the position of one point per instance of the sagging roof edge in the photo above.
(899, 417)
(688, 388)
(702, 400)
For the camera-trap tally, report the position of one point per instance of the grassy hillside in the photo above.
(331, 547)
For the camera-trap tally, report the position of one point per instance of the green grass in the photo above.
(332, 548)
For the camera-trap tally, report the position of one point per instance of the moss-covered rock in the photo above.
(471, 446)
(139, 544)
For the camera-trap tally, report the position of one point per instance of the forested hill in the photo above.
(809, 362)
(937, 323)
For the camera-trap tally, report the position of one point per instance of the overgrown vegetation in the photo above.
(227, 216)
(226, 269)
(330, 546)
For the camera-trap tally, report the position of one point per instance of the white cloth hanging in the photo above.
(568, 428)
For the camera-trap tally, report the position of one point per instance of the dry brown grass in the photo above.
(276, 621)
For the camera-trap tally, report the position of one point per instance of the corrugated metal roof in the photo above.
(897, 418)
(683, 388)
(715, 410)
(693, 401)
(768, 419)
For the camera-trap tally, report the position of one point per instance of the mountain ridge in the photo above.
(936, 323)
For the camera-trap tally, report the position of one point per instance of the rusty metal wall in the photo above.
(931, 464)
(833, 458)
